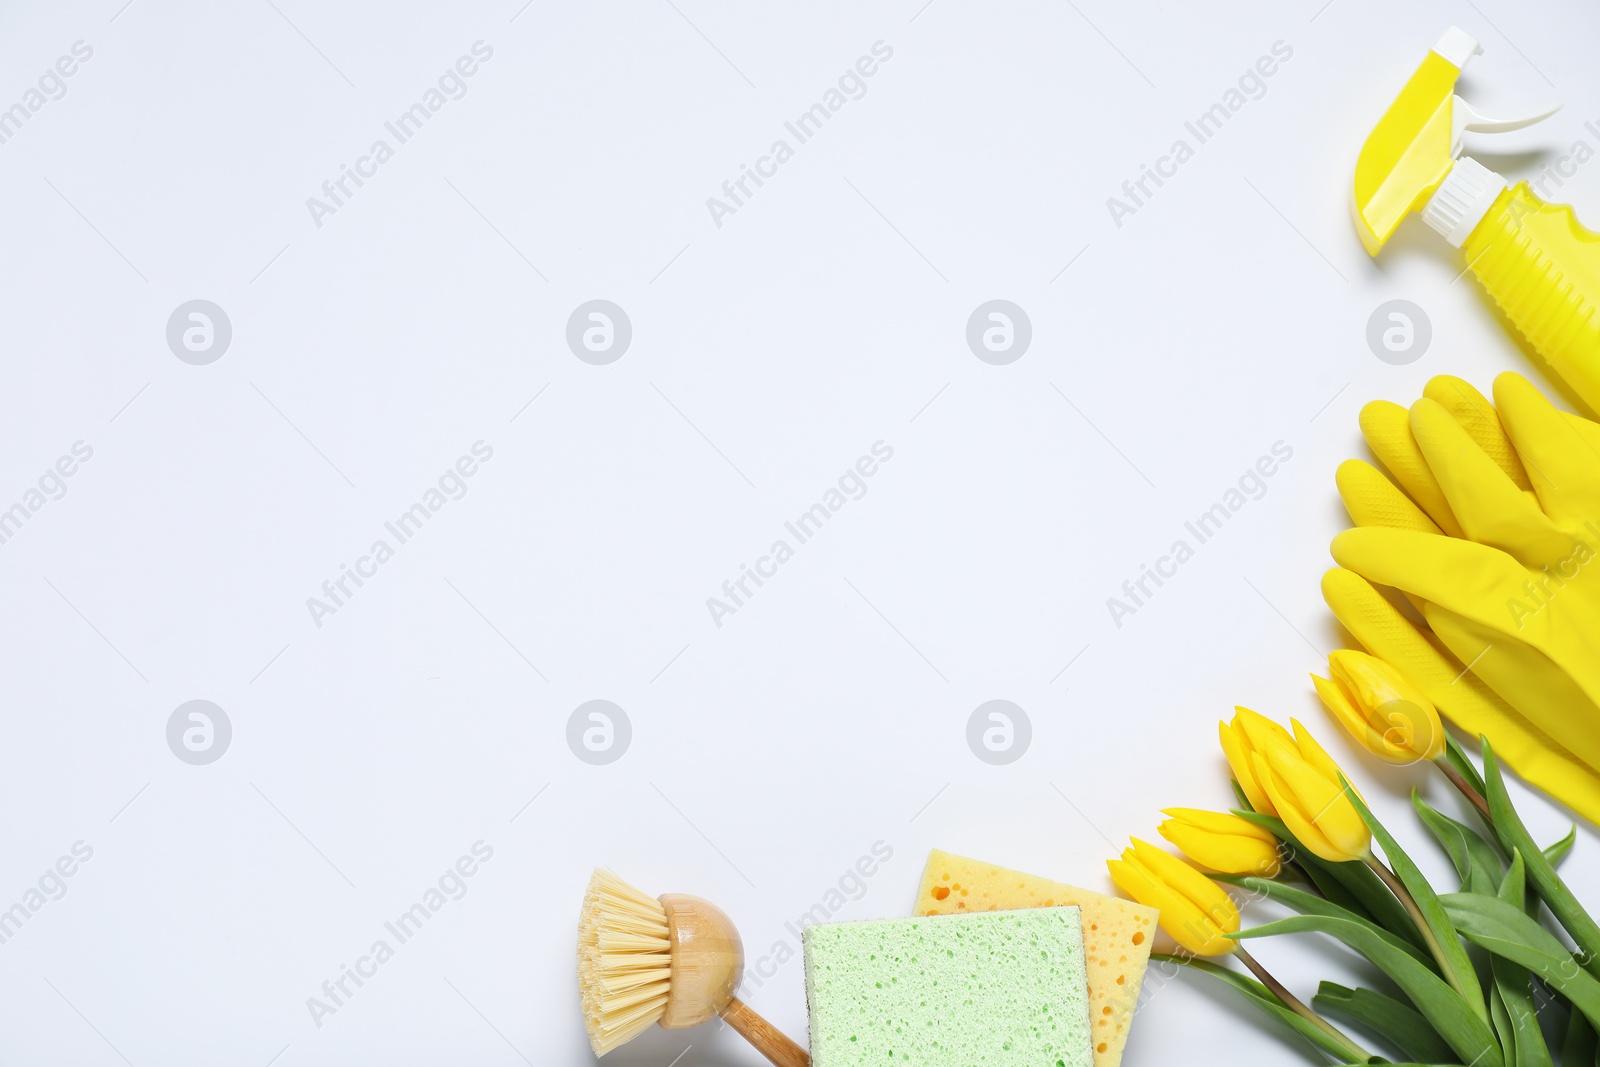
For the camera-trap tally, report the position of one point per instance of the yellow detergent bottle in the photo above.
(1541, 266)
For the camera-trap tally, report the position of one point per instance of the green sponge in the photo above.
(996, 987)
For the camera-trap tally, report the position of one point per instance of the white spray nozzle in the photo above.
(1457, 47)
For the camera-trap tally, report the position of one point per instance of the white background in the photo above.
(828, 313)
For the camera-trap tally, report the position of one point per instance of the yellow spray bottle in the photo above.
(1541, 266)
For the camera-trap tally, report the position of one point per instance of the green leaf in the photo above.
(1458, 758)
(1502, 1025)
(1456, 963)
(1558, 851)
(1451, 1015)
(1331, 888)
(1397, 1023)
(1271, 823)
(1514, 987)
(1316, 869)
(1514, 887)
(1262, 998)
(1378, 900)
(1238, 791)
(1582, 1046)
(1311, 904)
(1476, 861)
(1507, 931)
(1514, 837)
(1359, 890)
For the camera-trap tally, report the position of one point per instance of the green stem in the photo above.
(1356, 1053)
(1465, 787)
(1399, 889)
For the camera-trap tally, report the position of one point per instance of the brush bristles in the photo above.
(624, 961)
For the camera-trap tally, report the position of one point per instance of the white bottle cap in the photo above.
(1463, 199)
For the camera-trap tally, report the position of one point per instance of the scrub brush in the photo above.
(674, 960)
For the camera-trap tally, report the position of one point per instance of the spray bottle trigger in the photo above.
(1465, 119)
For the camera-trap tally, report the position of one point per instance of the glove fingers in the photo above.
(1473, 412)
(1460, 695)
(1588, 432)
(1387, 428)
(1385, 632)
(1488, 505)
(1547, 696)
(1562, 456)
(1468, 578)
(1373, 500)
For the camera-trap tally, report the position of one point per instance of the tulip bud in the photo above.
(1224, 843)
(1195, 911)
(1247, 733)
(1305, 787)
(1386, 714)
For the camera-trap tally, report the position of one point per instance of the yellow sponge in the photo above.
(1116, 933)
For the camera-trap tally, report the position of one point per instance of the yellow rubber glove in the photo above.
(1494, 546)
(1461, 696)
(1525, 677)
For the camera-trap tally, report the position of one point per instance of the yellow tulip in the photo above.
(1241, 739)
(1224, 843)
(1387, 715)
(1195, 911)
(1303, 782)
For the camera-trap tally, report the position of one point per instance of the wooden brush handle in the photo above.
(766, 1038)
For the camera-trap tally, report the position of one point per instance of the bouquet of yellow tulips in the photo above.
(1469, 969)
